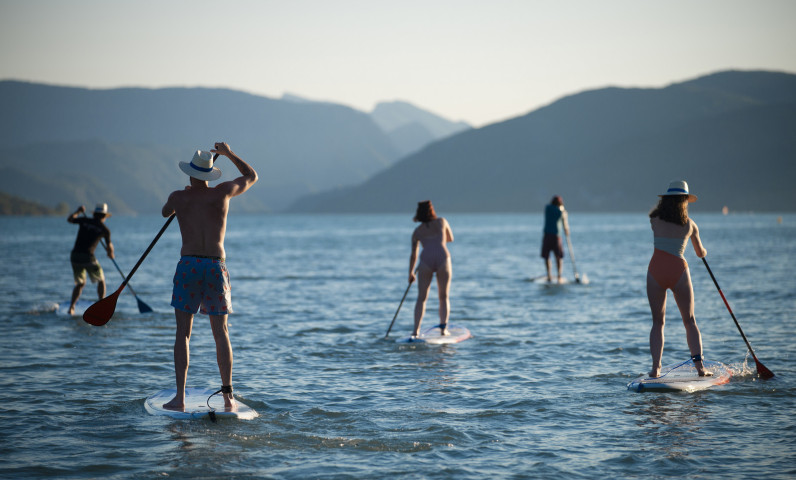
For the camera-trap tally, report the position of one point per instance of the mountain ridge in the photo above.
(581, 144)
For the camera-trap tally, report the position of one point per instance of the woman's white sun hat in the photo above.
(201, 167)
(679, 187)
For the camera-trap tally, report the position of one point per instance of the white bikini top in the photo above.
(670, 237)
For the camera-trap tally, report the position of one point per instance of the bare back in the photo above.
(202, 215)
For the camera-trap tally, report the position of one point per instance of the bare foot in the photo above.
(444, 330)
(701, 369)
(230, 405)
(71, 310)
(655, 373)
(175, 404)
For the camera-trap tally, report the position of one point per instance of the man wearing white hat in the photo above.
(201, 282)
(82, 257)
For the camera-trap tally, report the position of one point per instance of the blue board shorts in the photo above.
(201, 284)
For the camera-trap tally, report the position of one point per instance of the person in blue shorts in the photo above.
(201, 280)
(555, 220)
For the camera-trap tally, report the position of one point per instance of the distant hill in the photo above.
(731, 135)
(409, 127)
(11, 205)
(412, 128)
(297, 148)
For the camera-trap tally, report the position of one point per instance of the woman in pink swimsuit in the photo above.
(433, 233)
(668, 269)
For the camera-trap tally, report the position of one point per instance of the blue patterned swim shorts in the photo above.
(201, 284)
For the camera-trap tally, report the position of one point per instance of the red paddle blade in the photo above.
(101, 312)
(764, 373)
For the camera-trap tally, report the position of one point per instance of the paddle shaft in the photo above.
(148, 249)
(572, 257)
(764, 370)
(399, 309)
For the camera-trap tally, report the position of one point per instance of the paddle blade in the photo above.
(764, 373)
(143, 307)
(101, 312)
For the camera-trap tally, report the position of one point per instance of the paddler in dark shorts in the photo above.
(201, 282)
(555, 219)
(82, 257)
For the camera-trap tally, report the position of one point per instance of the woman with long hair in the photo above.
(668, 270)
(432, 233)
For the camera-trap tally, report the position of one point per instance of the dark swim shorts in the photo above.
(552, 243)
(201, 284)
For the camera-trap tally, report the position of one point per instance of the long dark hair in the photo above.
(425, 212)
(672, 208)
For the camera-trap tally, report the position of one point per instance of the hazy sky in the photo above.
(478, 61)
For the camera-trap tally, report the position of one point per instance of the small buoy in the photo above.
(725, 210)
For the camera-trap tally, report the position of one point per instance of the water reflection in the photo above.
(671, 422)
(436, 367)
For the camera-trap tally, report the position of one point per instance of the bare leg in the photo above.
(444, 287)
(101, 289)
(75, 295)
(424, 276)
(182, 356)
(223, 354)
(657, 300)
(684, 296)
(559, 265)
(548, 266)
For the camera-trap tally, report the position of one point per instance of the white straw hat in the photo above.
(102, 208)
(201, 166)
(679, 187)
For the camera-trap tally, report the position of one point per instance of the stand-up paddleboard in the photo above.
(683, 377)
(62, 308)
(196, 405)
(433, 335)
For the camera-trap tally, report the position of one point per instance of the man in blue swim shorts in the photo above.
(201, 281)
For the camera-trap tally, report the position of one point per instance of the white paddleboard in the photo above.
(433, 335)
(683, 377)
(80, 307)
(196, 405)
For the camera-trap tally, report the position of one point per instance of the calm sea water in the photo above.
(539, 392)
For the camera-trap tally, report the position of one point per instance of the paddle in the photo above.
(399, 309)
(102, 311)
(761, 369)
(572, 257)
(142, 307)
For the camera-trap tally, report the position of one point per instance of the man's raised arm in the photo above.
(248, 174)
